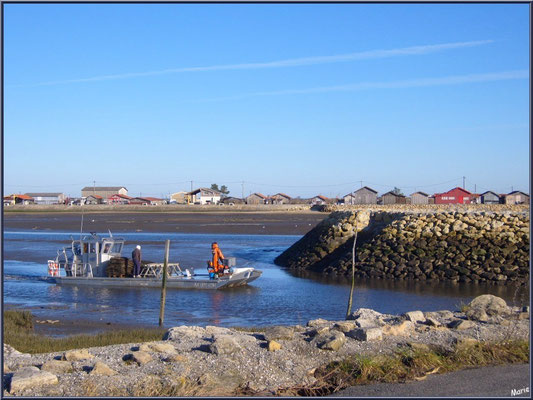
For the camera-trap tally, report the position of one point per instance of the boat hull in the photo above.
(224, 282)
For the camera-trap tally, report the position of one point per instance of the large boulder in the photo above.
(344, 326)
(217, 330)
(141, 357)
(183, 332)
(461, 324)
(314, 323)
(366, 334)
(415, 316)
(157, 347)
(31, 377)
(279, 333)
(101, 368)
(482, 308)
(365, 313)
(367, 318)
(332, 340)
(402, 329)
(224, 344)
(77, 355)
(57, 366)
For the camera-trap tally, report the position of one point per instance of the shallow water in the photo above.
(276, 298)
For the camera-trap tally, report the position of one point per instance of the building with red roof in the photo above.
(455, 196)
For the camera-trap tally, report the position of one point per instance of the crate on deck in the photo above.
(229, 262)
(122, 267)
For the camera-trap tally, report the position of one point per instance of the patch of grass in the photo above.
(148, 386)
(250, 328)
(463, 307)
(409, 364)
(18, 332)
(18, 320)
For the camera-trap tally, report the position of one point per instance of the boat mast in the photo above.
(81, 227)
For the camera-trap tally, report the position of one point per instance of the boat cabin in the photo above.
(89, 256)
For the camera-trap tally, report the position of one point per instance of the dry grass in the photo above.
(408, 364)
(150, 386)
(18, 332)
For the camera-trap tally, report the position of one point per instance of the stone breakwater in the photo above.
(458, 246)
(223, 362)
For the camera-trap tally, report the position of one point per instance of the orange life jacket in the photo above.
(217, 256)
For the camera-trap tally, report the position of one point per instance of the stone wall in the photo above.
(460, 246)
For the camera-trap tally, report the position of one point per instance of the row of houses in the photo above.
(457, 195)
(203, 196)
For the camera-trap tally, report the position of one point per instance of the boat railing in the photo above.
(156, 270)
(77, 269)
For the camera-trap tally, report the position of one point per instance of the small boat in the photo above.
(86, 261)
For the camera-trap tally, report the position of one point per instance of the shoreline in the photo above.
(255, 223)
(281, 360)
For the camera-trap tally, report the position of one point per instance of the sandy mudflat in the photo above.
(278, 223)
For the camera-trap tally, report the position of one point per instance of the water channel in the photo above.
(276, 298)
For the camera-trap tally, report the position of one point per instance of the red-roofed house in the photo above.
(319, 200)
(119, 199)
(455, 196)
(256, 198)
(18, 199)
(280, 198)
(147, 201)
(94, 199)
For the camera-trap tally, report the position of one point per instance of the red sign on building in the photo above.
(454, 196)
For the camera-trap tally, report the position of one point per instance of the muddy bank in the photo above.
(252, 223)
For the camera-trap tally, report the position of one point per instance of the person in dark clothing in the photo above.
(136, 257)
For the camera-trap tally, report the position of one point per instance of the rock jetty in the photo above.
(192, 360)
(457, 246)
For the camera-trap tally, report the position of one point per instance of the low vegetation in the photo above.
(410, 364)
(148, 386)
(405, 365)
(19, 333)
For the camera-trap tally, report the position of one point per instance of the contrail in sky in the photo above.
(410, 83)
(294, 62)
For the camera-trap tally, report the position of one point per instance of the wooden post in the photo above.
(349, 310)
(164, 284)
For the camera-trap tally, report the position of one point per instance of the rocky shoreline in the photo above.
(221, 361)
(457, 246)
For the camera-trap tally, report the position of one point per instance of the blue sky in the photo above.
(304, 99)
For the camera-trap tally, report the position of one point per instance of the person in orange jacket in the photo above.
(216, 264)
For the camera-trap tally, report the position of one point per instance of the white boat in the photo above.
(86, 260)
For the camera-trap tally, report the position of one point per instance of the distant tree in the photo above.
(397, 191)
(223, 189)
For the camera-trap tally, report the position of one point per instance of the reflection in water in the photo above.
(54, 291)
(217, 300)
(510, 293)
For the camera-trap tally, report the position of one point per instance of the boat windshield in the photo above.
(115, 247)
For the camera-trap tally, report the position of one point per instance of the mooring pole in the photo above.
(164, 284)
(349, 310)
